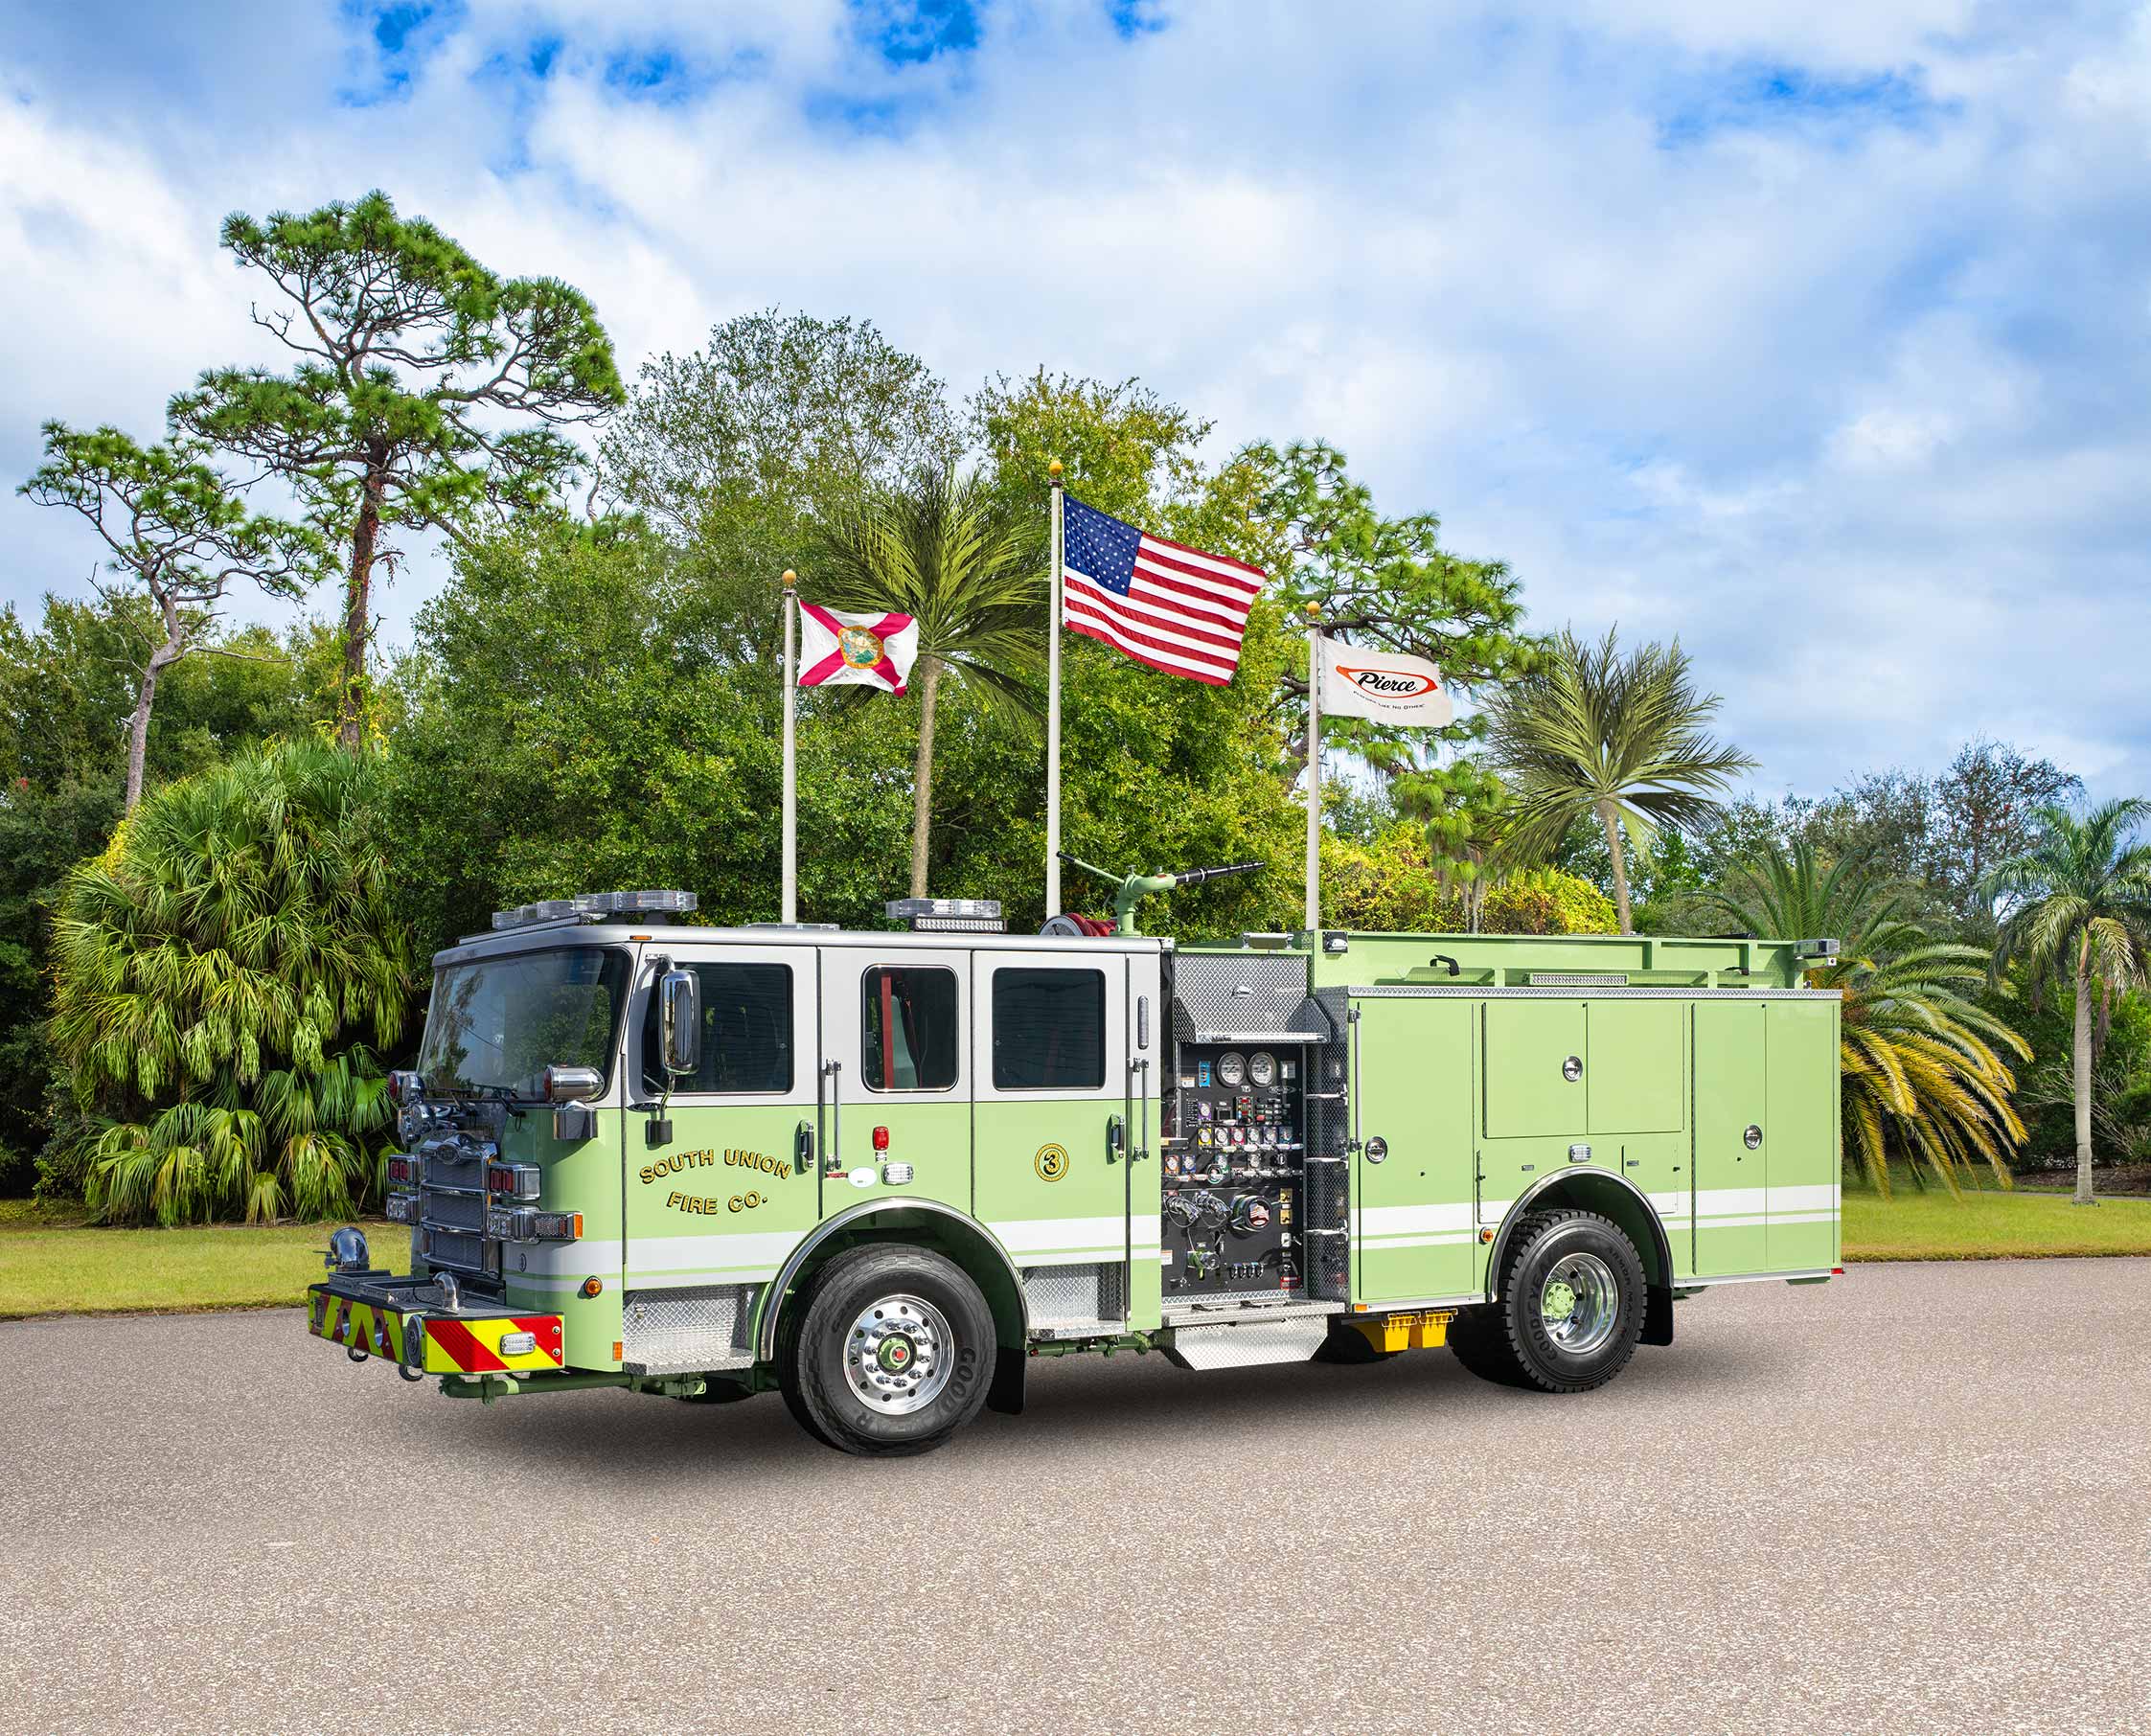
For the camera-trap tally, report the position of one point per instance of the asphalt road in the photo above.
(1911, 1500)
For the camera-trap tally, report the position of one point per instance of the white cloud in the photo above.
(1814, 335)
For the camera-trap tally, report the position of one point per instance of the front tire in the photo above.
(1569, 1312)
(893, 1352)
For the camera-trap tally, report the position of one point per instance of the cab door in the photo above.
(727, 1192)
(1063, 1106)
(897, 1075)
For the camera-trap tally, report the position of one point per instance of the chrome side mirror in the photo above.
(572, 1085)
(679, 1019)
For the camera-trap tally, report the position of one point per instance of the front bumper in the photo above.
(405, 1321)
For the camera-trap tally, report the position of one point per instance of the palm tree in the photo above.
(1918, 1059)
(215, 973)
(1623, 737)
(2079, 909)
(942, 551)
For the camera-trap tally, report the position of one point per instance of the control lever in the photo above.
(1130, 889)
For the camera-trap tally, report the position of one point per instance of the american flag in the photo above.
(1164, 603)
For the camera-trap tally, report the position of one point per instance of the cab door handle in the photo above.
(1116, 1137)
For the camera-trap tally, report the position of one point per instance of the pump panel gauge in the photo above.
(1262, 1069)
(1232, 1067)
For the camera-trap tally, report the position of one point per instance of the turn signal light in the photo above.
(512, 1181)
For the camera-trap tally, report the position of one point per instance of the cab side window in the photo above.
(908, 1028)
(746, 1032)
(1049, 1030)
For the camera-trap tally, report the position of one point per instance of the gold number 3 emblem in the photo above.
(1051, 1163)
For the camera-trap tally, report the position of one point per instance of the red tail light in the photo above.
(880, 1140)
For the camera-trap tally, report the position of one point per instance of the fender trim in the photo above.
(773, 1293)
(1516, 1213)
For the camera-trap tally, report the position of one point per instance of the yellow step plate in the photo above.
(453, 1346)
(1426, 1331)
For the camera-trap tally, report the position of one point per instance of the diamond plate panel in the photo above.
(688, 1331)
(1070, 1295)
(1247, 1343)
(1228, 995)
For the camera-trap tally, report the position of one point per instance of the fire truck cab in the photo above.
(881, 1171)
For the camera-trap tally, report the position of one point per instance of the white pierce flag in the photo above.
(1384, 687)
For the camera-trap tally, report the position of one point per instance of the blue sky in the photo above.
(1820, 335)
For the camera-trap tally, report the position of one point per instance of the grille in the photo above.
(455, 1251)
(456, 1211)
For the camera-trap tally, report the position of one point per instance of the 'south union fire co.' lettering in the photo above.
(675, 1162)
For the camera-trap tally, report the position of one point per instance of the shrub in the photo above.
(217, 972)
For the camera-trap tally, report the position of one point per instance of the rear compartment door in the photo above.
(1413, 1234)
(1055, 1052)
(1733, 1149)
(1802, 1134)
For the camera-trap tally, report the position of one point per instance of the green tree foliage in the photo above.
(944, 551)
(1395, 883)
(66, 695)
(733, 450)
(427, 390)
(1624, 739)
(2078, 911)
(624, 745)
(223, 974)
(171, 526)
(1920, 1063)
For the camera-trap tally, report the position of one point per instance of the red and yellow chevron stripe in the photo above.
(471, 1345)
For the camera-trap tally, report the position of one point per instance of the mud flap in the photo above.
(1658, 1314)
(1011, 1368)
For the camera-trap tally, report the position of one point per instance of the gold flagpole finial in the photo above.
(790, 578)
(1053, 469)
(1313, 611)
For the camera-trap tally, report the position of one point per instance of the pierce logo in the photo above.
(1389, 683)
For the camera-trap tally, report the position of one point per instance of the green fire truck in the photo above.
(878, 1171)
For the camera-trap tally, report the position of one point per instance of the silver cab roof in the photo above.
(537, 937)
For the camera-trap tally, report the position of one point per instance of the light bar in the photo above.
(595, 906)
(1816, 948)
(948, 915)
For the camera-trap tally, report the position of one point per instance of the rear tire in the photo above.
(892, 1353)
(1570, 1311)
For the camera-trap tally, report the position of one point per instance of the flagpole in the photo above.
(1314, 768)
(789, 904)
(1053, 711)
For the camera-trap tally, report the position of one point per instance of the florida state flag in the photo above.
(836, 647)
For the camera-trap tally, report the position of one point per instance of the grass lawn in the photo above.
(53, 1264)
(1988, 1224)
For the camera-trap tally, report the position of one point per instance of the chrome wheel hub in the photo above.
(897, 1353)
(1579, 1303)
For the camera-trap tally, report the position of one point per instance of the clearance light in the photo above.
(1485, 1235)
(880, 1140)
(519, 1224)
(512, 1181)
(592, 1286)
(1837, 1271)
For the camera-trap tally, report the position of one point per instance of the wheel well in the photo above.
(938, 1229)
(1611, 1198)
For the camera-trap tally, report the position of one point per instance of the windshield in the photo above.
(500, 1023)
